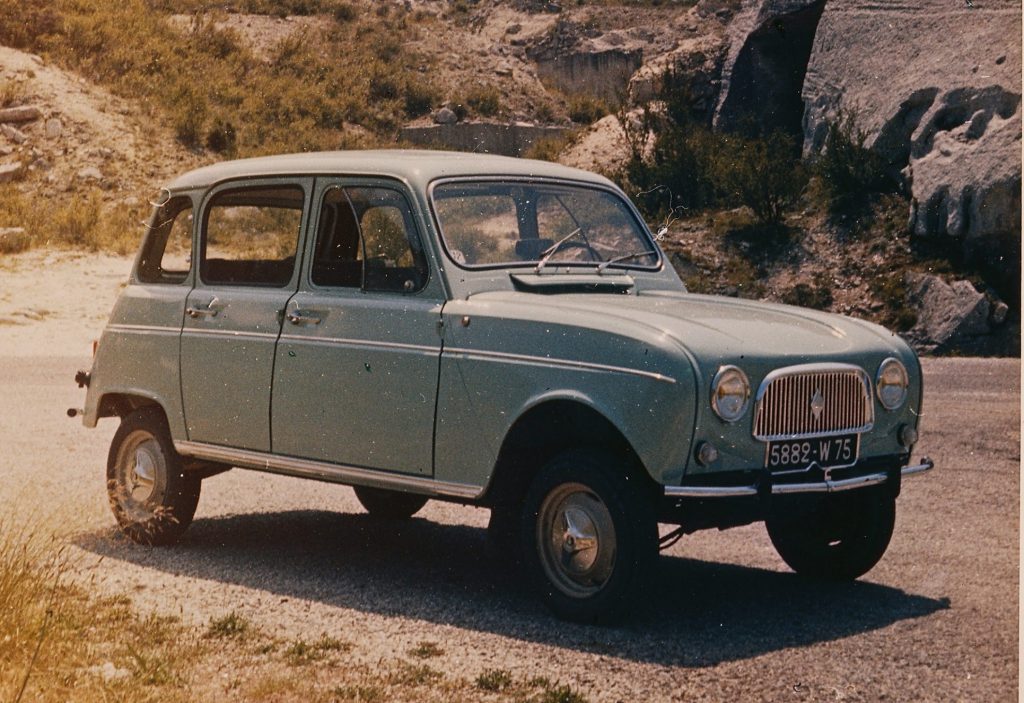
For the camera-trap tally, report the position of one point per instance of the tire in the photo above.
(391, 505)
(589, 536)
(152, 498)
(840, 540)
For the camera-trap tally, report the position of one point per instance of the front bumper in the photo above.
(767, 485)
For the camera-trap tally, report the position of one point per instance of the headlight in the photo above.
(730, 393)
(891, 384)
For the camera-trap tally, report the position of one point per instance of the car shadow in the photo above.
(698, 613)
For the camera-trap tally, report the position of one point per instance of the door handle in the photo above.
(209, 311)
(302, 317)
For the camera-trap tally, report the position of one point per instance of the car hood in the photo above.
(716, 329)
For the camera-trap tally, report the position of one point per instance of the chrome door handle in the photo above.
(302, 317)
(209, 310)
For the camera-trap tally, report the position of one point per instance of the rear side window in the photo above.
(251, 235)
(167, 253)
(367, 239)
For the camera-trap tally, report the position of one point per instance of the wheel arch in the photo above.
(545, 429)
(119, 404)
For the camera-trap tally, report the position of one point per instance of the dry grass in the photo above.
(354, 70)
(80, 222)
(59, 642)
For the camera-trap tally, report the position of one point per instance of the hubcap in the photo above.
(576, 540)
(140, 475)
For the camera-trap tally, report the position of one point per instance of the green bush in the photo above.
(419, 98)
(763, 173)
(849, 172)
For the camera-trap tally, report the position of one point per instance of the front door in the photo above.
(355, 380)
(249, 238)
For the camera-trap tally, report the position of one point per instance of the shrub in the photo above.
(23, 22)
(806, 295)
(222, 137)
(849, 172)
(345, 12)
(484, 100)
(763, 173)
(586, 109)
(494, 680)
(419, 98)
(189, 118)
(11, 93)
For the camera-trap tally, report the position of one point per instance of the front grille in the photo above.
(813, 401)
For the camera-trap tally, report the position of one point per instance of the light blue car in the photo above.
(496, 332)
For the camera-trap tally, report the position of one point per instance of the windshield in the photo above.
(489, 224)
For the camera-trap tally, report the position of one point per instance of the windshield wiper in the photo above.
(546, 255)
(626, 257)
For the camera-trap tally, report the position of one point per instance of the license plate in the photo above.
(798, 454)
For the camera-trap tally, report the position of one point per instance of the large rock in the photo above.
(948, 315)
(697, 61)
(769, 45)
(580, 60)
(935, 84)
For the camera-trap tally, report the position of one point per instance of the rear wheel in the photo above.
(589, 536)
(840, 540)
(393, 505)
(152, 498)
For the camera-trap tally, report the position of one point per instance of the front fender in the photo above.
(644, 390)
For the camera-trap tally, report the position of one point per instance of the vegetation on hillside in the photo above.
(351, 70)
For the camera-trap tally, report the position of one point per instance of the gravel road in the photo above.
(936, 620)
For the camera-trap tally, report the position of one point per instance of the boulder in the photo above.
(90, 173)
(697, 61)
(948, 314)
(935, 84)
(445, 116)
(21, 113)
(54, 128)
(13, 133)
(10, 172)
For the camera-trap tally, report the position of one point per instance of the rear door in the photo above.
(250, 234)
(355, 381)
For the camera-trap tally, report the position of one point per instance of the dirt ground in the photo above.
(936, 620)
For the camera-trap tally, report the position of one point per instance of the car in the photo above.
(495, 332)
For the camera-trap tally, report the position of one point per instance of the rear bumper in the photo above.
(828, 485)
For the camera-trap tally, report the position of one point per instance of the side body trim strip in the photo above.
(323, 471)
(564, 363)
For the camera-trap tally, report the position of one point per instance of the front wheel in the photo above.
(152, 497)
(589, 536)
(391, 505)
(840, 540)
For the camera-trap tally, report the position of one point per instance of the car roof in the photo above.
(417, 166)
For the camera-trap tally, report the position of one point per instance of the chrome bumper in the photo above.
(826, 486)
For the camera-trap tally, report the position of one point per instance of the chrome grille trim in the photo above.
(782, 408)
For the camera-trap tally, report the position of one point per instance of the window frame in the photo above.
(421, 257)
(300, 183)
(146, 249)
